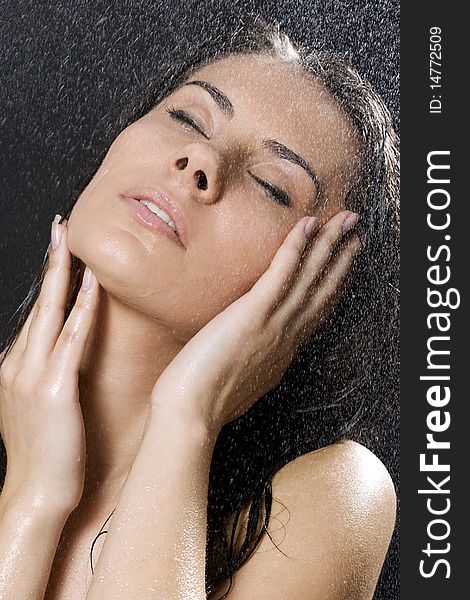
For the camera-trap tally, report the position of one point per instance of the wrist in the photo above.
(32, 501)
(184, 420)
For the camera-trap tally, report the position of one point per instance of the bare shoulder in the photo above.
(344, 488)
(333, 514)
(343, 498)
(347, 469)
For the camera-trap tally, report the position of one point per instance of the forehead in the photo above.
(280, 101)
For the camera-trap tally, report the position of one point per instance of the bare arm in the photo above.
(155, 545)
(41, 426)
(29, 534)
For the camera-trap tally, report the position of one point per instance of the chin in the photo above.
(116, 258)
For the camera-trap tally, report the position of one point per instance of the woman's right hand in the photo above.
(41, 419)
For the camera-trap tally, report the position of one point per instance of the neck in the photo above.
(126, 353)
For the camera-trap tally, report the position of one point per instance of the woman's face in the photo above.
(233, 225)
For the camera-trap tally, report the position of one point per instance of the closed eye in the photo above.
(272, 191)
(182, 116)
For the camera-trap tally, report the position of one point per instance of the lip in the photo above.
(161, 200)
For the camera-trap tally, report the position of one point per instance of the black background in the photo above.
(66, 65)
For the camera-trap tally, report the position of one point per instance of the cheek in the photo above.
(137, 146)
(235, 259)
(97, 224)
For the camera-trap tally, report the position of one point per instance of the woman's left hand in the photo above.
(244, 351)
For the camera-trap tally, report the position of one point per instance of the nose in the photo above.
(197, 170)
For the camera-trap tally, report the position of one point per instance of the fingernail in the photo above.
(88, 279)
(310, 226)
(56, 232)
(349, 222)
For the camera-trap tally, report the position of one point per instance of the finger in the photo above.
(19, 344)
(323, 247)
(70, 345)
(271, 287)
(48, 318)
(285, 273)
(316, 258)
(328, 293)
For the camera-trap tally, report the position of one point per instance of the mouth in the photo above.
(165, 217)
(155, 210)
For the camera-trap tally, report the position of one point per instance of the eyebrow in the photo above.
(273, 146)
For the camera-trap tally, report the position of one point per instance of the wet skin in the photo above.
(155, 295)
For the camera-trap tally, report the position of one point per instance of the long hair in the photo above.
(349, 369)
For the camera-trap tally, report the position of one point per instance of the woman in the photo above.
(197, 400)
